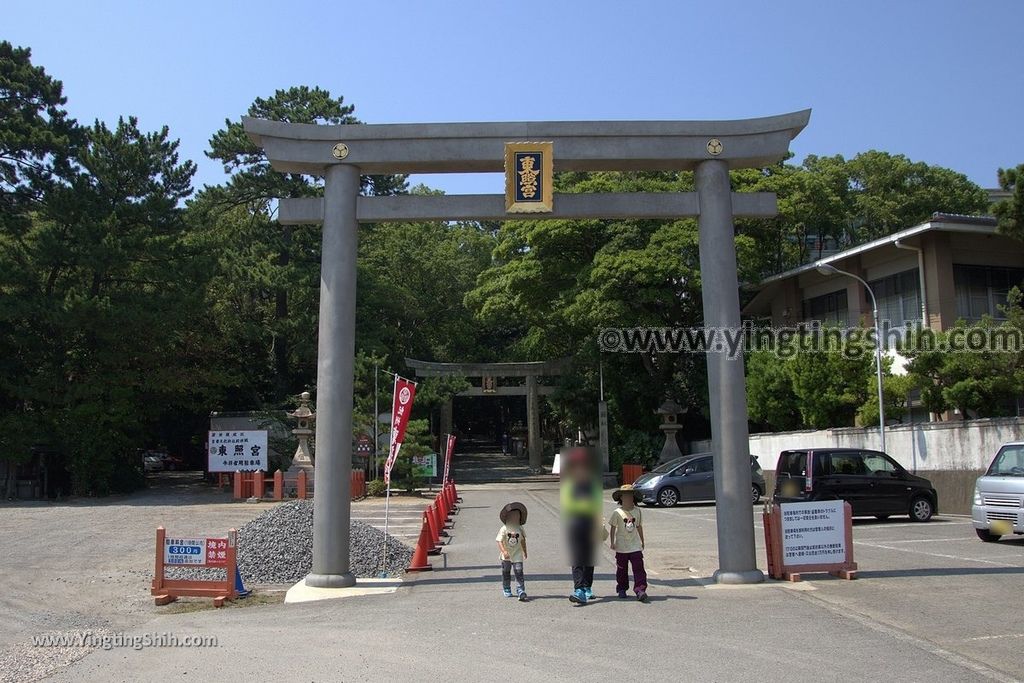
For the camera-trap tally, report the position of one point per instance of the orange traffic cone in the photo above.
(435, 545)
(438, 520)
(455, 492)
(419, 556)
(442, 505)
(435, 537)
(449, 490)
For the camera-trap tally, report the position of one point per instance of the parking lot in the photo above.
(935, 581)
(932, 601)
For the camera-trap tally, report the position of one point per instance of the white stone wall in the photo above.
(954, 445)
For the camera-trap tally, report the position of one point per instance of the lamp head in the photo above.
(826, 269)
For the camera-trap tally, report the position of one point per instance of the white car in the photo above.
(152, 463)
(998, 508)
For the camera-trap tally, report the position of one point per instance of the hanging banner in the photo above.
(448, 457)
(401, 407)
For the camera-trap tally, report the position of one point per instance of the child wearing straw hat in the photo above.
(511, 541)
(627, 540)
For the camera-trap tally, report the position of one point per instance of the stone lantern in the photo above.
(304, 417)
(670, 411)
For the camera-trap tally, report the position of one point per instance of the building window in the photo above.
(830, 309)
(899, 300)
(983, 290)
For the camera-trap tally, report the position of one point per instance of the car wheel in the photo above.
(882, 517)
(755, 494)
(668, 497)
(921, 509)
(986, 535)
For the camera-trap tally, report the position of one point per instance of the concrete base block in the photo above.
(301, 592)
(750, 576)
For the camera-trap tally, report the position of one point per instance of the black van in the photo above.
(871, 481)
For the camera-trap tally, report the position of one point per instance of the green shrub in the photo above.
(636, 448)
(376, 488)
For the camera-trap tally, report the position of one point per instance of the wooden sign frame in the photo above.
(165, 591)
(778, 569)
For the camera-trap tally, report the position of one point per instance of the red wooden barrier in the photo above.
(358, 484)
(215, 553)
(254, 485)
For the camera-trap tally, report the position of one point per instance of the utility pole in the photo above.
(376, 421)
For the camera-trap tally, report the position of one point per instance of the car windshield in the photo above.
(1009, 462)
(667, 466)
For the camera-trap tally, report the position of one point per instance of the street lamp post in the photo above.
(826, 269)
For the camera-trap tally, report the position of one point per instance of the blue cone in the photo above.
(239, 586)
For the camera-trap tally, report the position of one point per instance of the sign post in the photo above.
(809, 537)
(212, 553)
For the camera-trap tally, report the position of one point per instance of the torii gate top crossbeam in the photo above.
(478, 147)
(425, 368)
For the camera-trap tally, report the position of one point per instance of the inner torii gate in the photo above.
(342, 153)
(530, 388)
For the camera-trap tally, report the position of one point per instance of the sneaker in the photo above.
(578, 597)
(507, 592)
(622, 594)
(589, 593)
(642, 597)
(522, 597)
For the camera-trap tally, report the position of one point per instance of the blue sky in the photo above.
(939, 81)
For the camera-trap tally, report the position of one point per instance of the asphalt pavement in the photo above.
(932, 603)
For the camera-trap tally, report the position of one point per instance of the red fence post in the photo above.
(631, 473)
(257, 484)
(238, 490)
(300, 485)
(278, 485)
(158, 571)
(230, 570)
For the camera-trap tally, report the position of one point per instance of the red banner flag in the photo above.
(401, 407)
(448, 457)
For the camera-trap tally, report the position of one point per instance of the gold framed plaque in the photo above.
(529, 171)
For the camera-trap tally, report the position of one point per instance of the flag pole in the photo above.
(387, 492)
(395, 446)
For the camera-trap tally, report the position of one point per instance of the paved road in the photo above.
(933, 604)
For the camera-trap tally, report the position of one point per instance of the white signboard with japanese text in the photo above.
(231, 451)
(209, 552)
(813, 533)
(184, 551)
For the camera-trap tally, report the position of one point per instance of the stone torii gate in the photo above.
(340, 154)
(530, 389)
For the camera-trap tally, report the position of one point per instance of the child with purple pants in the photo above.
(627, 540)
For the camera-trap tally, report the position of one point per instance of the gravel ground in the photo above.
(84, 566)
(277, 547)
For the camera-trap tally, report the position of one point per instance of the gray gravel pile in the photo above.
(277, 547)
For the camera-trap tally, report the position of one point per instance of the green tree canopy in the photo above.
(1010, 211)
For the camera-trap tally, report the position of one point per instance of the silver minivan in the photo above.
(998, 508)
